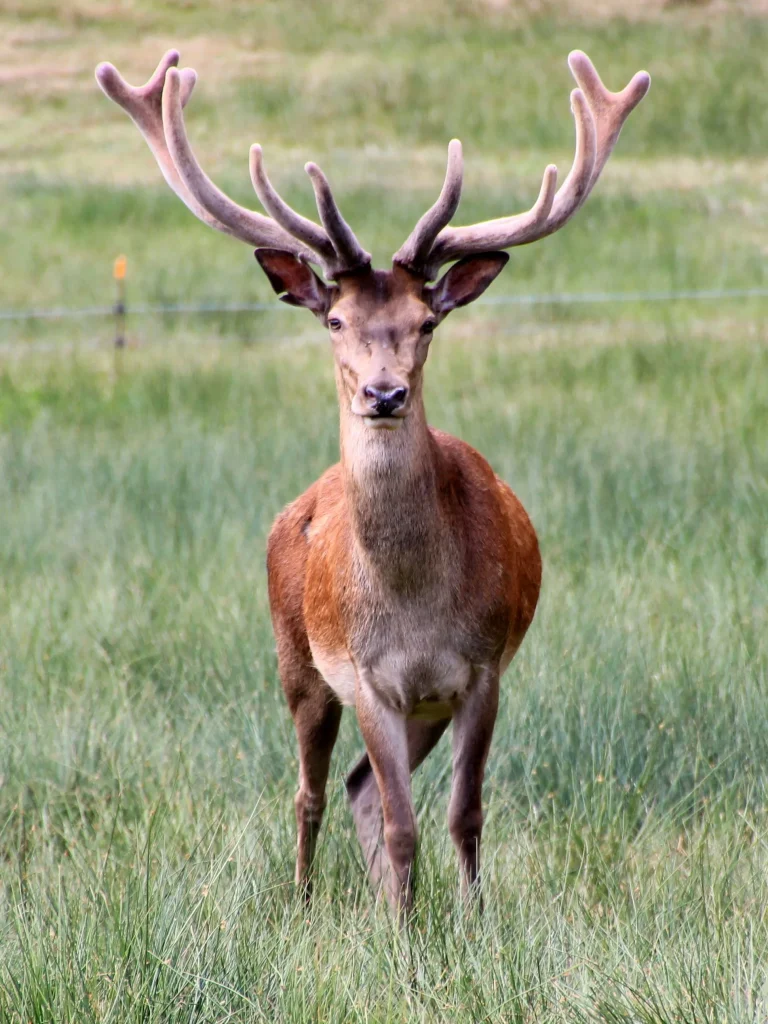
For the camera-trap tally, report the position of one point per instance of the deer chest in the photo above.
(413, 660)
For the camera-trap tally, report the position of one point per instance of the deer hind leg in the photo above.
(472, 731)
(365, 799)
(316, 717)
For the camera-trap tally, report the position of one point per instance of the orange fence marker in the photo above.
(119, 271)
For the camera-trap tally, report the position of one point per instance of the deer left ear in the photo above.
(301, 285)
(466, 281)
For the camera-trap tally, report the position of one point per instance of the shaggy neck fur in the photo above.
(391, 484)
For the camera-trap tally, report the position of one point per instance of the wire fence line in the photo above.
(84, 312)
(10, 348)
(553, 299)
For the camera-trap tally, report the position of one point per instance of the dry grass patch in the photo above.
(637, 11)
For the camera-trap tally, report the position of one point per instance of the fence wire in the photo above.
(10, 348)
(554, 299)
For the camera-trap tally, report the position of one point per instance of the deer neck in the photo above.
(391, 487)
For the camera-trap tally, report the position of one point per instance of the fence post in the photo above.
(118, 272)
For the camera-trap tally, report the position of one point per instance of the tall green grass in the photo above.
(148, 760)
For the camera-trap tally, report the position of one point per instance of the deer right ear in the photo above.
(299, 282)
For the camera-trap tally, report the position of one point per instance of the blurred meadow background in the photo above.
(147, 758)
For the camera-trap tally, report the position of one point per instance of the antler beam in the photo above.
(156, 109)
(599, 115)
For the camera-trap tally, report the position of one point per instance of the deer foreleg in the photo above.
(386, 739)
(316, 717)
(365, 800)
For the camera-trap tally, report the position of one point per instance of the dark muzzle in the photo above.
(385, 403)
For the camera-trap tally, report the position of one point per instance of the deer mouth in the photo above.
(378, 422)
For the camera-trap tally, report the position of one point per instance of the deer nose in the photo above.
(385, 402)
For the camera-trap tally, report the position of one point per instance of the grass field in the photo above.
(147, 759)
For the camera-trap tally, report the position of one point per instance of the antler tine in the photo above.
(247, 225)
(335, 241)
(491, 235)
(418, 244)
(349, 250)
(550, 211)
(143, 106)
(575, 188)
(599, 116)
(276, 207)
(610, 109)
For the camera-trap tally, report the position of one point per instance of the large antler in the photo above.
(157, 111)
(599, 115)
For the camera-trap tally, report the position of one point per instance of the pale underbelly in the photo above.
(338, 672)
(433, 691)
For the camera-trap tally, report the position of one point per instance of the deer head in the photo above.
(380, 322)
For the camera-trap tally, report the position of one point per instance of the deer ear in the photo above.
(300, 283)
(466, 281)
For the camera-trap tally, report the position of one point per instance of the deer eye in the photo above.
(428, 326)
(334, 323)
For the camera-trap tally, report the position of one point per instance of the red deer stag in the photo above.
(403, 581)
